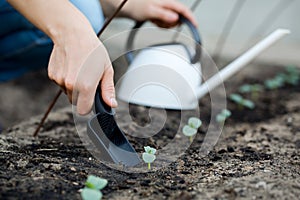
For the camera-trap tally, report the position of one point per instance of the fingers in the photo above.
(85, 100)
(108, 88)
(165, 16)
(166, 13)
(57, 74)
(66, 84)
(68, 88)
(96, 68)
(86, 93)
(181, 9)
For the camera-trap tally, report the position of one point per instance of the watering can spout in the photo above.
(240, 62)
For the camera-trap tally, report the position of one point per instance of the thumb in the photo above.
(108, 88)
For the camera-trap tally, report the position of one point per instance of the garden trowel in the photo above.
(108, 138)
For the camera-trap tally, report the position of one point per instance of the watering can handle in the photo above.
(129, 55)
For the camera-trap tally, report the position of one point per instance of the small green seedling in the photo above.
(92, 188)
(292, 70)
(191, 128)
(221, 117)
(292, 75)
(238, 99)
(253, 89)
(277, 82)
(149, 155)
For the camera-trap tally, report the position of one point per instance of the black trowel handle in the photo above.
(100, 105)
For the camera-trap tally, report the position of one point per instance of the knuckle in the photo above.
(58, 79)
(69, 83)
(51, 74)
(85, 87)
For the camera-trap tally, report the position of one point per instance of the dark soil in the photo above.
(257, 156)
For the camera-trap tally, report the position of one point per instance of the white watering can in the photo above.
(169, 76)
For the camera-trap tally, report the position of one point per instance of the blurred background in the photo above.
(227, 27)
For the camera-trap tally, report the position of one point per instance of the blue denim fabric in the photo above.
(23, 47)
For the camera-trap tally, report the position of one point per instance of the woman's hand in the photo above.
(77, 64)
(164, 13)
(78, 60)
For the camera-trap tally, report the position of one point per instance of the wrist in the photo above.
(75, 28)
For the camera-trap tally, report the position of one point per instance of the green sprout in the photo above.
(277, 82)
(148, 155)
(92, 188)
(191, 128)
(238, 99)
(292, 75)
(221, 117)
(292, 70)
(253, 89)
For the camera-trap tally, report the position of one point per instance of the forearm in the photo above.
(56, 18)
(70, 63)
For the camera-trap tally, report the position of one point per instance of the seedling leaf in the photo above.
(280, 79)
(249, 104)
(148, 158)
(257, 88)
(150, 150)
(194, 122)
(189, 131)
(226, 113)
(270, 84)
(236, 98)
(220, 118)
(91, 194)
(245, 88)
(293, 80)
(292, 70)
(94, 182)
(293, 75)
